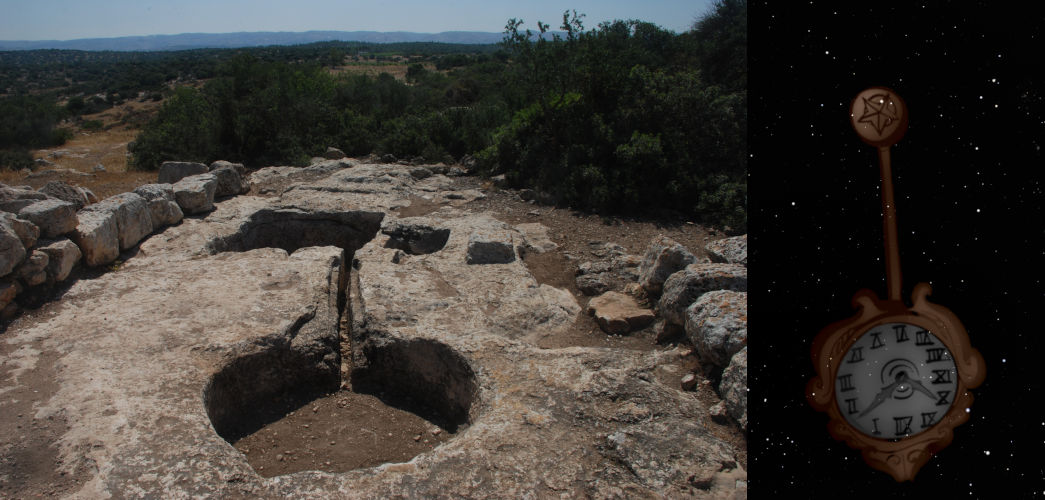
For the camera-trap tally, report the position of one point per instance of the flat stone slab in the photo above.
(151, 359)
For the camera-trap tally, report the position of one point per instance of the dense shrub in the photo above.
(624, 117)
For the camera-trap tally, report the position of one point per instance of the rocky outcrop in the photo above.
(733, 387)
(686, 286)
(663, 258)
(728, 250)
(210, 321)
(230, 177)
(716, 324)
(132, 216)
(195, 194)
(79, 197)
(174, 171)
(53, 217)
(15, 198)
(63, 255)
(98, 237)
(163, 210)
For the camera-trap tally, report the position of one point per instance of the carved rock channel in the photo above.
(164, 361)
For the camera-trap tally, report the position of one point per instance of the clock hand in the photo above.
(880, 397)
(921, 388)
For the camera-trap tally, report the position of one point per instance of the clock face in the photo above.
(896, 380)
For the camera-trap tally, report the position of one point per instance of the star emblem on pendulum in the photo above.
(879, 111)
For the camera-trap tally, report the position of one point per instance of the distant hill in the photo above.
(186, 41)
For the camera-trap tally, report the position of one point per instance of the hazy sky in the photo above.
(72, 19)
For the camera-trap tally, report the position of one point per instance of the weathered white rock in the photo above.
(174, 171)
(53, 217)
(716, 324)
(66, 192)
(63, 255)
(26, 231)
(195, 194)
(733, 388)
(97, 235)
(663, 258)
(163, 210)
(15, 198)
(32, 271)
(12, 252)
(230, 182)
(133, 217)
(619, 314)
(238, 167)
(686, 286)
(728, 250)
(490, 246)
(201, 328)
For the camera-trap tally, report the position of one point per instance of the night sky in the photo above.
(968, 179)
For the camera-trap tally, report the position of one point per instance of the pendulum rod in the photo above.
(892, 246)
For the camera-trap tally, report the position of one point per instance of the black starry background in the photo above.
(968, 178)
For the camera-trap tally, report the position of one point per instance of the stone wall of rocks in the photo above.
(703, 299)
(46, 233)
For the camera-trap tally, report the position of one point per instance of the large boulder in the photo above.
(733, 388)
(195, 194)
(63, 255)
(663, 258)
(13, 199)
(53, 217)
(162, 207)
(33, 270)
(686, 286)
(25, 230)
(97, 236)
(174, 171)
(728, 250)
(66, 192)
(230, 181)
(716, 324)
(12, 252)
(133, 218)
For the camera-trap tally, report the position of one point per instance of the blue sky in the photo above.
(71, 19)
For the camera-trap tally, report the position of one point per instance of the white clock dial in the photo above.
(896, 380)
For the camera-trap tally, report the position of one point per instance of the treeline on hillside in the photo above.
(626, 117)
(123, 75)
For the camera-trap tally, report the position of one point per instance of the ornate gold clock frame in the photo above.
(880, 119)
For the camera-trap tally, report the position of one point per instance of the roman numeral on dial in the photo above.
(847, 382)
(943, 398)
(857, 355)
(850, 405)
(935, 354)
(903, 425)
(942, 377)
(922, 337)
(928, 419)
(877, 342)
(901, 333)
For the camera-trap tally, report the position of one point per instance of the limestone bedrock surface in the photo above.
(200, 325)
